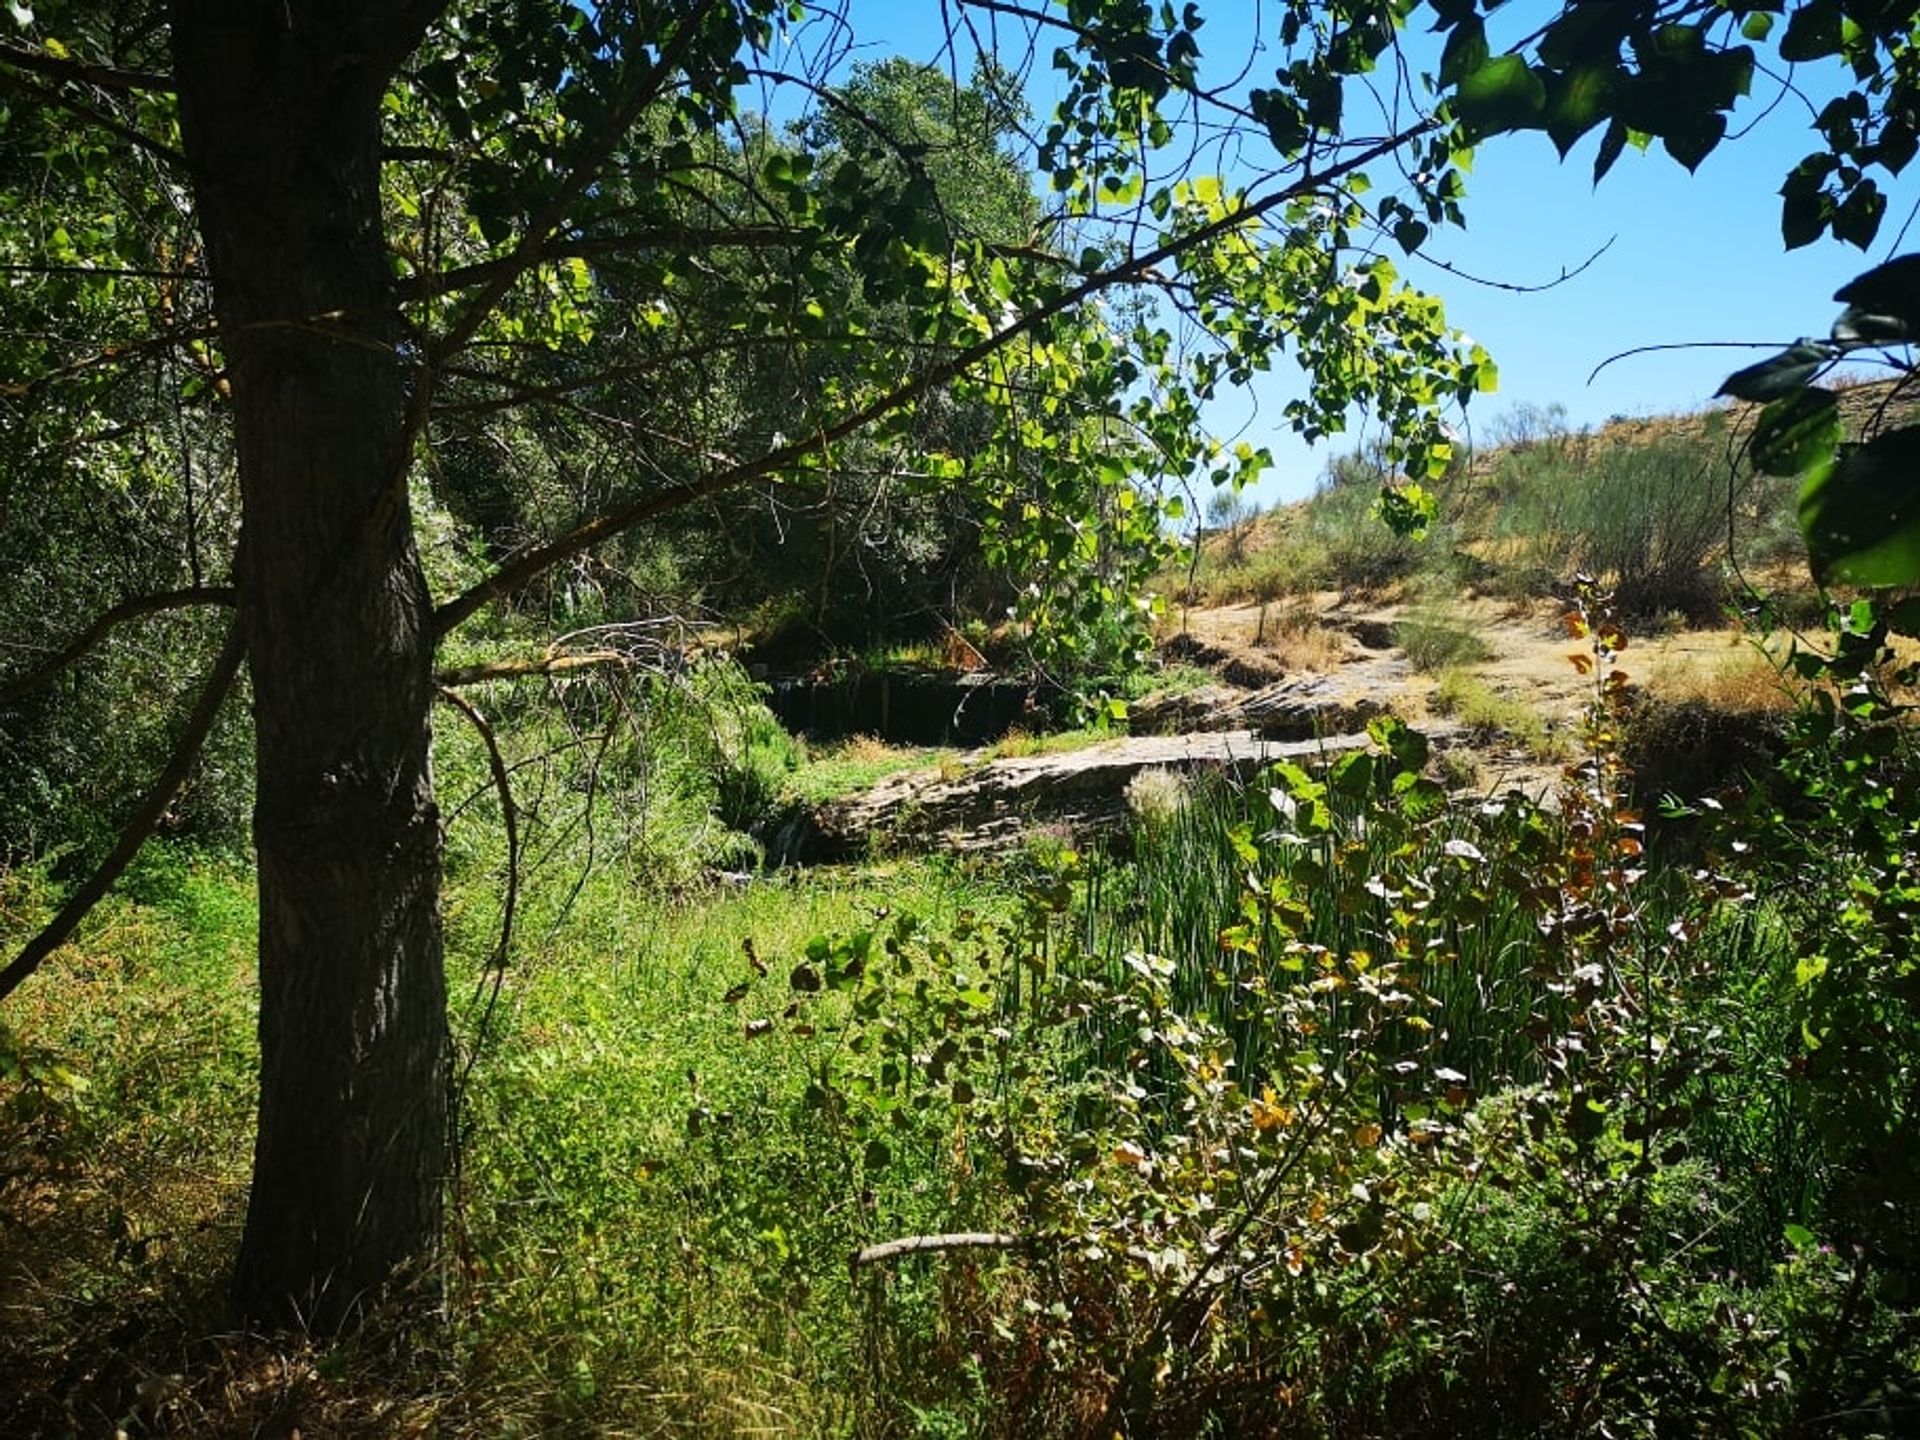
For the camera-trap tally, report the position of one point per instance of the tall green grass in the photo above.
(1188, 881)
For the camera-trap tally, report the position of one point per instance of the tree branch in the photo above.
(510, 817)
(91, 638)
(83, 111)
(219, 682)
(520, 393)
(534, 243)
(511, 267)
(926, 1244)
(104, 77)
(1097, 43)
(131, 349)
(519, 568)
(463, 675)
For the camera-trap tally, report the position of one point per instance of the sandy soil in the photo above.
(1530, 659)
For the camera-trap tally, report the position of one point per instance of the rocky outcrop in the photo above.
(1299, 707)
(988, 805)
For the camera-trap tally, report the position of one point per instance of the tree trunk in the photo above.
(280, 116)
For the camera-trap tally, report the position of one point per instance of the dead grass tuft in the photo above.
(1298, 637)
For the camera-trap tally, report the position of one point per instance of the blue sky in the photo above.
(1693, 258)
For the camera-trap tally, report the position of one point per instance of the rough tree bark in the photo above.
(280, 115)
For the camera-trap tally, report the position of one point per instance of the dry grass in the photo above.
(1493, 714)
(1749, 681)
(1298, 637)
(866, 750)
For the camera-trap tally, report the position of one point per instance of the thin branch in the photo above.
(219, 682)
(519, 568)
(141, 272)
(79, 109)
(463, 675)
(1685, 345)
(104, 77)
(130, 350)
(522, 393)
(1518, 289)
(510, 816)
(92, 637)
(925, 1244)
(670, 237)
(1096, 42)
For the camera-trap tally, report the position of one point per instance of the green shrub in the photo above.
(1434, 640)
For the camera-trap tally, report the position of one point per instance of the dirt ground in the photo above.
(1528, 660)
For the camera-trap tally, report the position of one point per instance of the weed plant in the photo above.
(1488, 713)
(1433, 640)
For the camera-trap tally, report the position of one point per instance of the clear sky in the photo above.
(1689, 258)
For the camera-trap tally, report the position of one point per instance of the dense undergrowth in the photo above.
(1335, 1105)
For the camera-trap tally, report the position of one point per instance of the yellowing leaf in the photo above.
(1269, 1113)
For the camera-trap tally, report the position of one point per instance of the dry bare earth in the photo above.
(1295, 684)
(1350, 650)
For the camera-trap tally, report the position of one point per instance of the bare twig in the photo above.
(461, 675)
(924, 1244)
(510, 816)
(219, 682)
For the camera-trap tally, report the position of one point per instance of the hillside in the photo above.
(1664, 511)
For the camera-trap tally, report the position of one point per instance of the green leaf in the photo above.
(1857, 220)
(1796, 432)
(1790, 370)
(1466, 52)
(1612, 145)
(1576, 102)
(1692, 140)
(1861, 516)
(1504, 94)
(1904, 618)
(1813, 32)
(1757, 26)
(1892, 290)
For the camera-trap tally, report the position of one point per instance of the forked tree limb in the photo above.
(219, 682)
(95, 634)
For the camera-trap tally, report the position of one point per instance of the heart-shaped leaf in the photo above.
(1861, 515)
